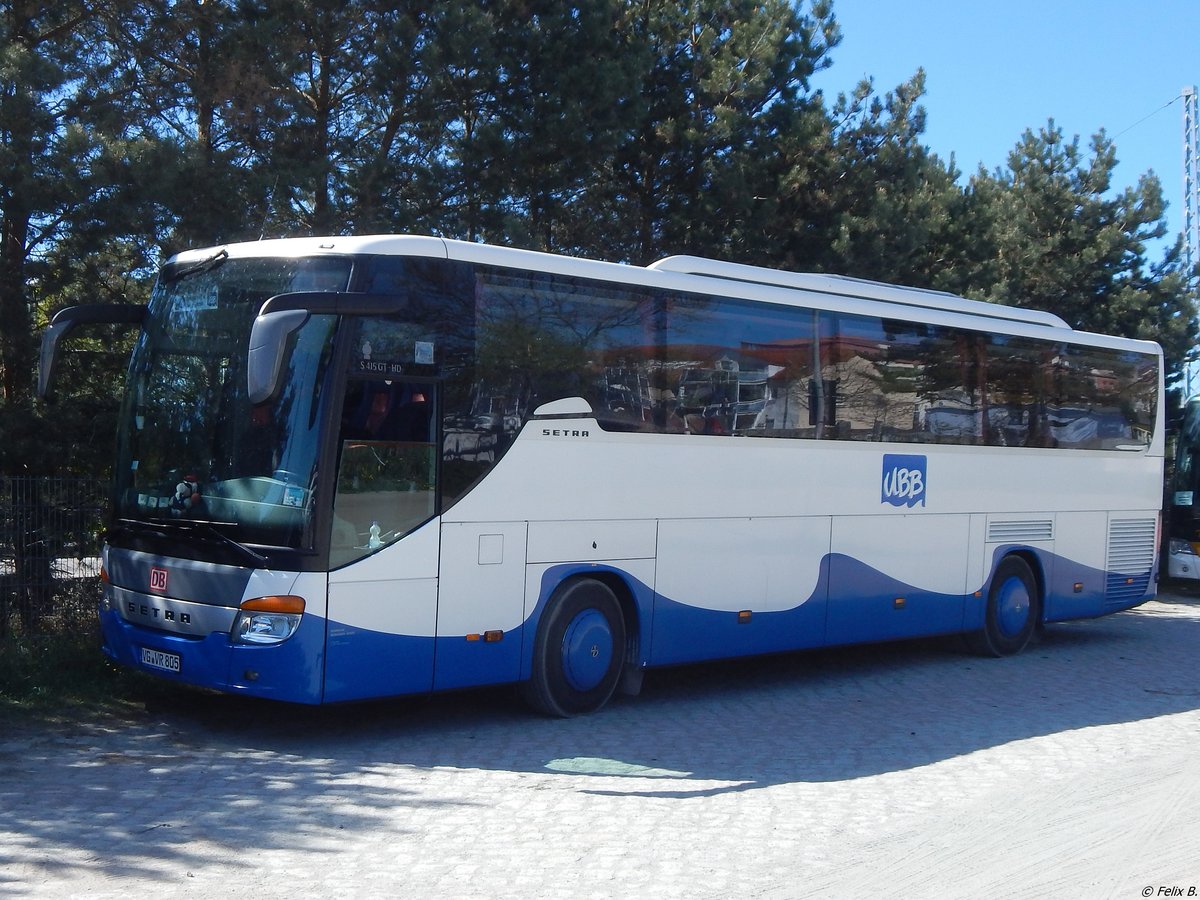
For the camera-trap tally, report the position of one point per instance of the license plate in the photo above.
(156, 659)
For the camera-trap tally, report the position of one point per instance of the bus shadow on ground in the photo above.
(154, 794)
(825, 715)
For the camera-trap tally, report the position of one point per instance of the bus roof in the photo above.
(845, 286)
(831, 286)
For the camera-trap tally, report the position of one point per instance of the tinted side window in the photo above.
(543, 338)
(1104, 398)
(648, 360)
(1018, 377)
(733, 367)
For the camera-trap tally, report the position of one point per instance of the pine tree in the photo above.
(46, 151)
(1052, 234)
(895, 198)
(721, 78)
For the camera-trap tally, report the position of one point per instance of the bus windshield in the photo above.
(191, 447)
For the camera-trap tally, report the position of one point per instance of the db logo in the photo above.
(903, 480)
(158, 580)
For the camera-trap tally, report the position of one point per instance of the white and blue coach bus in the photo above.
(370, 466)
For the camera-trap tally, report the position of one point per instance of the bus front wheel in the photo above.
(1014, 607)
(579, 650)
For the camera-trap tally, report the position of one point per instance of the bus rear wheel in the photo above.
(579, 650)
(1014, 608)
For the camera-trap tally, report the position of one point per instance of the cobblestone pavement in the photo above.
(903, 770)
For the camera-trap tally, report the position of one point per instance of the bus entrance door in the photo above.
(383, 554)
(481, 603)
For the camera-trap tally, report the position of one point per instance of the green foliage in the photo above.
(724, 89)
(889, 213)
(65, 677)
(1051, 233)
(621, 129)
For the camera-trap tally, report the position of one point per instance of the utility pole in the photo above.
(1191, 181)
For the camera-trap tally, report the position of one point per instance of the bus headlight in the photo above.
(267, 620)
(1181, 548)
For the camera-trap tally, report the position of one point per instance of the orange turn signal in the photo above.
(286, 603)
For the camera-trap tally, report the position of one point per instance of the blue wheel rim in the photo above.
(587, 650)
(1012, 607)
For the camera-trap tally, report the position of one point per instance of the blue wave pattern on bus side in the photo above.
(871, 606)
(363, 663)
(375, 664)
(1077, 591)
(671, 631)
(863, 610)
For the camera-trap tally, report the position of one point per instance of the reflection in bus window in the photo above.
(387, 470)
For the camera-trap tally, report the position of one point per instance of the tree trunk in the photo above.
(16, 330)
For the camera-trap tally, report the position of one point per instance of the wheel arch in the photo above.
(1010, 619)
(580, 646)
(633, 597)
(1032, 559)
(629, 608)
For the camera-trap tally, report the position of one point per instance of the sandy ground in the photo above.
(905, 770)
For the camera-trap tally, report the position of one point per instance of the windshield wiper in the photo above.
(206, 528)
(211, 528)
(170, 276)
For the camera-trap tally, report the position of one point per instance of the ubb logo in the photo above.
(903, 480)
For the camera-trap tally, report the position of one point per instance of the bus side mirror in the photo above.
(269, 339)
(284, 314)
(67, 320)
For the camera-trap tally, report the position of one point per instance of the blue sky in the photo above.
(995, 69)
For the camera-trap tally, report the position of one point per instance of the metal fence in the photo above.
(49, 553)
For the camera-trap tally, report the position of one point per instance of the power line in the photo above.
(1170, 102)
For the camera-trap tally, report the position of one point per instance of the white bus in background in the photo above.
(371, 466)
(1183, 499)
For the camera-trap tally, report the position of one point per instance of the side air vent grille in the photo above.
(1020, 531)
(1130, 560)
